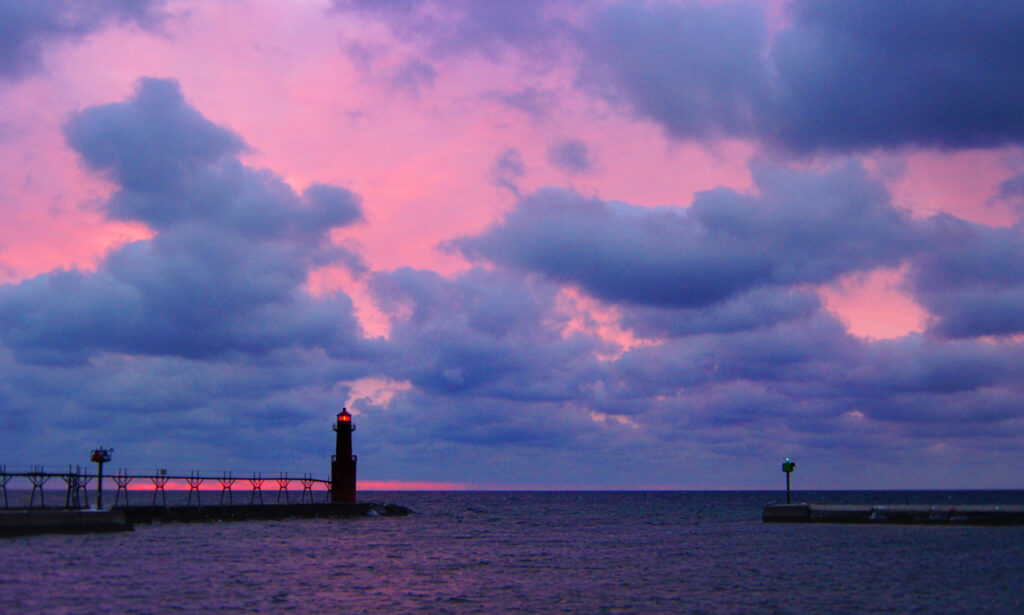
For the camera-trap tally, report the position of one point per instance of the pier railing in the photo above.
(77, 479)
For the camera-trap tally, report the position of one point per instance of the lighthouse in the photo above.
(343, 462)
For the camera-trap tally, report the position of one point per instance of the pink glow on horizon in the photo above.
(241, 488)
(412, 485)
(242, 492)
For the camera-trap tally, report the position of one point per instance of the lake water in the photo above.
(532, 552)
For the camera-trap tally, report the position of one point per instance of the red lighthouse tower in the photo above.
(343, 462)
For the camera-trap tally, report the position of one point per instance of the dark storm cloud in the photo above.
(26, 27)
(482, 333)
(571, 156)
(422, 419)
(698, 70)
(934, 388)
(801, 228)
(865, 74)
(764, 307)
(971, 280)
(809, 377)
(266, 413)
(493, 443)
(920, 363)
(840, 76)
(809, 351)
(225, 269)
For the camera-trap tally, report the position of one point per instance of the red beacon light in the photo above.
(344, 416)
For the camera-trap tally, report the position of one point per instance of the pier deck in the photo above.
(259, 512)
(24, 522)
(911, 514)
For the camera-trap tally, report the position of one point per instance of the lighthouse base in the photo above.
(343, 481)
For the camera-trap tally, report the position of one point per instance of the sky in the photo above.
(544, 244)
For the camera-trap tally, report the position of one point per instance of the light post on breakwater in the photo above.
(787, 467)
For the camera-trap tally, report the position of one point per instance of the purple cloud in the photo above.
(946, 74)
(224, 271)
(507, 170)
(1012, 191)
(571, 156)
(802, 228)
(972, 279)
(26, 27)
(838, 77)
(457, 26)
(414, 76)
(480, 334)
(698, 70)
(531, 101)
(763, 307)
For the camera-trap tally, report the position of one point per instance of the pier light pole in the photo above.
(787, 467)
(100, 456)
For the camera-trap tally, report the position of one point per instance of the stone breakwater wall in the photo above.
(909, 514)
(41, 521)
(259, 512)
(23, 522)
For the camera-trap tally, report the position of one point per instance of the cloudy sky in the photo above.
(532, 244)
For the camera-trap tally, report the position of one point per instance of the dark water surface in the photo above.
(564, 552)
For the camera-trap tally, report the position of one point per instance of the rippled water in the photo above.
(471, 552)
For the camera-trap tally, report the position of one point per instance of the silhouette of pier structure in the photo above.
(334, 497)
(75, 481)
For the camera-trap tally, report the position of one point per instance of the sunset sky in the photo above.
(538, 244)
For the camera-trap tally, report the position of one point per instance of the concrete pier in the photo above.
(26, 522)
(910, 514)
(35, 521)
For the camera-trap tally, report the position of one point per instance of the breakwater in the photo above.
(906, 514)
(259, 512)
(29, 521)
